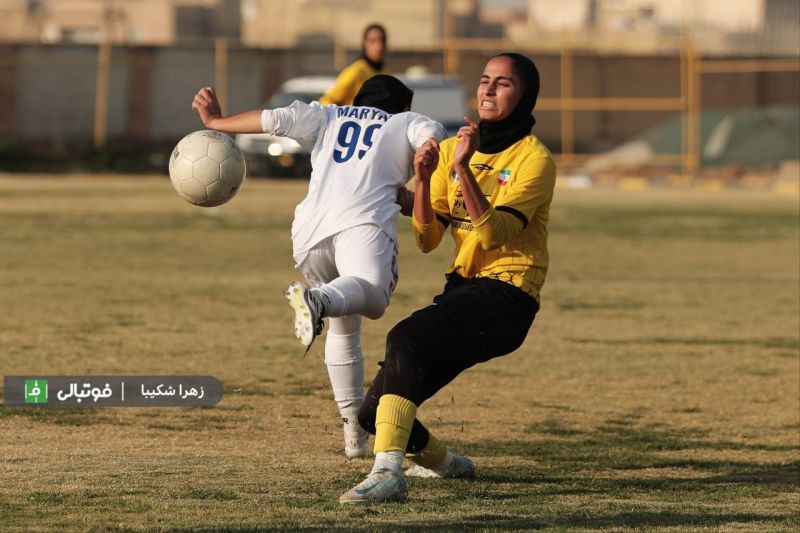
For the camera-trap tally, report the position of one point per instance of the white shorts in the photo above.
(364, 251)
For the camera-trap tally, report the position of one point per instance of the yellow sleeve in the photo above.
(428, 236)
(346, 86)
(533, 188)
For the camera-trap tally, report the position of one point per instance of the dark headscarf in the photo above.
(377, 65)
(497, 136)
(387, 93)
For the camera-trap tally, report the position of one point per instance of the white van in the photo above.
(436, 96)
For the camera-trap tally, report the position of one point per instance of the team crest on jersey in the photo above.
(454, 176)
(503, 176)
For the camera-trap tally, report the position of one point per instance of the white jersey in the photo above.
(361, 156)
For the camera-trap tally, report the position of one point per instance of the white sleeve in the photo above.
(421, 128)
(298, 121)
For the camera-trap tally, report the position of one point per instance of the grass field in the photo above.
(659, 387)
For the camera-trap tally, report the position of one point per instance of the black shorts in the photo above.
(472, 321)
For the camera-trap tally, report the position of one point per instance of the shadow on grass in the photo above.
(61, 416)
(506, 522)
(771, 342)
(618, 445)
(642, 519)
(618, 462)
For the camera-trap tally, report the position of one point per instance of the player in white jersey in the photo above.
(344, 231)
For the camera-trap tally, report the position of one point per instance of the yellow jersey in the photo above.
(509, 241)
(348, 83)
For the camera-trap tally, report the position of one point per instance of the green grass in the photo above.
(658, 389)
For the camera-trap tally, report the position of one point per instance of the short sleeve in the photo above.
(421, 128)
(298, 121)
(532, 188)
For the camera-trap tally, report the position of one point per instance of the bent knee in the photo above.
(375, 312)
(403, 344)
(376, 300)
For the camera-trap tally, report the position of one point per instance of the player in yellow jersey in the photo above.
(491, 186)
(370, 63)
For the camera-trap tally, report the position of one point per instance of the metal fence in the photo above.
(70, 94)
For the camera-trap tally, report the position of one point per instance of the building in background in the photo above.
(623, 63)
(255, 23)
(718, 26)
(147, 22)
(86, 21)
(289, 23)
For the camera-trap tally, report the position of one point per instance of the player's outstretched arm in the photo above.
(207, 106)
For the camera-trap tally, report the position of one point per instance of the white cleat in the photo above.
(381, 486)
(355, 446)
(307, 312)
(460, 468)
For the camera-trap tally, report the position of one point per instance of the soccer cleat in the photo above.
(307, 312)
(381, 486)
(355, 446)
(460, 468)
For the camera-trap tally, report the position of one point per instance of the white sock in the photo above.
(349, 295)
(345, 363)
(341, 296)
(388, 461)
(350, 421)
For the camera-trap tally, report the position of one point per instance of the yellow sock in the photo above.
(393, 423)
(431, 455)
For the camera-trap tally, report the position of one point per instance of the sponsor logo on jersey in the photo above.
(454, 176)
(481, 166)
(503, 176)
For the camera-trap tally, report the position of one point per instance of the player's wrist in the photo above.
(211, 122)
(461, 167)
(422, 181)
(463, 172)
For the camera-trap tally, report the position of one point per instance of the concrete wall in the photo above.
(49, 90)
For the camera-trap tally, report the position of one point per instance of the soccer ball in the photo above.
(207, 168)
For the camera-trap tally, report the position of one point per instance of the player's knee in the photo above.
(375, 312)
(402, 345)
(375, 300)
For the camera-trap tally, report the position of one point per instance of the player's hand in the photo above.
(207, 106)
(469, 139)
(406, 200)
(425, 160)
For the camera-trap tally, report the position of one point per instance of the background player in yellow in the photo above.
(370, 63)
(492, 185)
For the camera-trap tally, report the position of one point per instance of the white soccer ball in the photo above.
(207, 168)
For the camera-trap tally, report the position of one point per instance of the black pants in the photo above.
(472, 321)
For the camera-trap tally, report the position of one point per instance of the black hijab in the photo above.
(377, 65)
(497, 136)
(387, 93)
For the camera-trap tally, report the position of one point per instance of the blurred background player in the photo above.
(344, 231)
(492, 186)
(369, 63)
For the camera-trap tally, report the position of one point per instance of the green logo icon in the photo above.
(35, 391)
